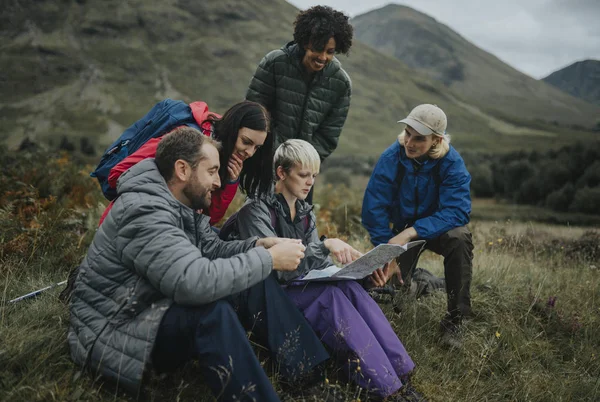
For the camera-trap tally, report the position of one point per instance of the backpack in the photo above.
(165, 116)
(229, 225)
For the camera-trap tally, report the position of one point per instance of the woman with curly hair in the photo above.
(303, 85)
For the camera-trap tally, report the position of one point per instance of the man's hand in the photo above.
(268, 242)
(404, 237)
(287, 255)
(234, 167)
(342, 251)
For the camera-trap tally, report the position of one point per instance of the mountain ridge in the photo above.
(89, 69)
(480, 77)
(580, 79)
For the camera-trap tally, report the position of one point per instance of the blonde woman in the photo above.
(421, 187)
(342, 313)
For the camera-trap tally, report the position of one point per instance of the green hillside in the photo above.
(91, 68)
(478, 76)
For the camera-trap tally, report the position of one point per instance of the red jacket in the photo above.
(220, 199)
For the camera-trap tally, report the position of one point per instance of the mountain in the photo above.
(476, 75)
(581, 79)
(87, 69)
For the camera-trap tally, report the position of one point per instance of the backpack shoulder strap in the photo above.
(400, 173)
(273, 217)
(437, 178)
(228, 226)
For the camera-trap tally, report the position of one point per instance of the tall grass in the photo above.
(536, 297)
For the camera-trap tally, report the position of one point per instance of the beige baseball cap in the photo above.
(427, 119)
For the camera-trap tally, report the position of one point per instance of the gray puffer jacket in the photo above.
(254, 219)
(313, 109)
(150, 251)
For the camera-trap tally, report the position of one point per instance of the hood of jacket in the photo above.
(278, 203)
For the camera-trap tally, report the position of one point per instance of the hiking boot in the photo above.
(451, 334)
(409, 393)
(384, 295)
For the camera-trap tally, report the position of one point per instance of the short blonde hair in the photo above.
(437, 151)
(297, 152)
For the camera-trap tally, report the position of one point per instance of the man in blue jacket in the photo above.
(421, 186)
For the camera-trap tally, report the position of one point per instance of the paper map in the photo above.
(363, 266)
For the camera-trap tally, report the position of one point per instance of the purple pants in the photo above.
(349, 321)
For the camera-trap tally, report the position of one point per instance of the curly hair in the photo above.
(319, 23)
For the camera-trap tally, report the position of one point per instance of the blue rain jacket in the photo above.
(431, 208)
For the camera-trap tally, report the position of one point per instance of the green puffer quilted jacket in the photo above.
(313, 109)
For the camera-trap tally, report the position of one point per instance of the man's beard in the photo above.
(197, 194)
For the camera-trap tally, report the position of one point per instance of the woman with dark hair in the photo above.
(303, 85)
(245, 158)
(250, 121)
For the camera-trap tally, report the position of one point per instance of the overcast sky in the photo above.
(536, 37)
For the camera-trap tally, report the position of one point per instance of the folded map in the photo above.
(363, 266)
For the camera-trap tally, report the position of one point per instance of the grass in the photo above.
(490, 209)
(536, 298)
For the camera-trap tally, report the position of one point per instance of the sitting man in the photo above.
(158, 287)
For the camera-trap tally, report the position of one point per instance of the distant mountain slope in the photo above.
(479, 77)
(90, 68)
(581, 79)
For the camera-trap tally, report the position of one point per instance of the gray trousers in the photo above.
(456, 246)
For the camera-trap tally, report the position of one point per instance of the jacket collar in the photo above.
(278, 203)
(425, 164)
(144, 177)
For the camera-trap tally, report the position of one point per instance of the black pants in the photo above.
(456, 246)
(216, 335)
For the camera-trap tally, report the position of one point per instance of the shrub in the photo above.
(560, 200)
(586, 200)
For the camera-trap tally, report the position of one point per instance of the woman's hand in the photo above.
(404, 237)
(341, 250)
(234, 167)
(381, 276)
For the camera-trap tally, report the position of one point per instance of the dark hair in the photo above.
(257, 173)
(316, 25)
(182, 143)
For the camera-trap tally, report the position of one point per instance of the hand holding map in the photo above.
(363, 266)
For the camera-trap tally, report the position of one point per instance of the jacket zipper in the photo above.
(417, 169)
(308, 88)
